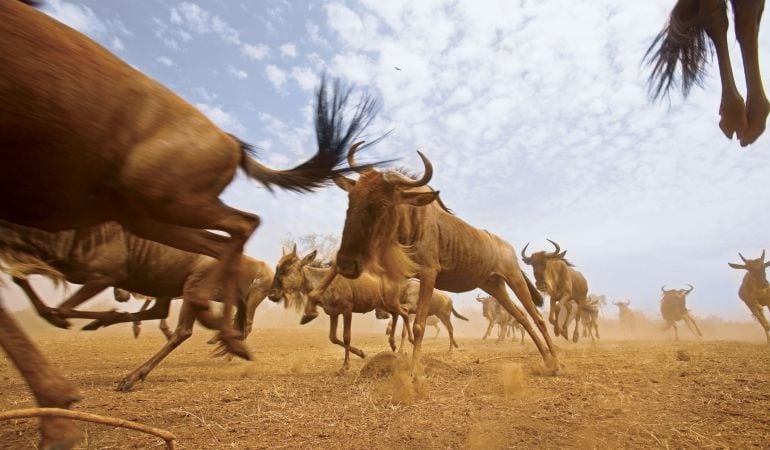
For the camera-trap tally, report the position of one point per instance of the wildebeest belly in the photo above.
(460, 280)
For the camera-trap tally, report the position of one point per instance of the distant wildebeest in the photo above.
(683, 41)
(555, 276)
(297, 277)
(590, 318)
(106, 255)
(441, 308)
(673, 308)
(86, 139)
(626, 316)
(497, 316)
(755, 290)
(397, 226)
(431, 321)
(122, 295)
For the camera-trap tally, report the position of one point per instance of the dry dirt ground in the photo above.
(613, 394)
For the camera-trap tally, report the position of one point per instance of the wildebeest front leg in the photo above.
(759, 312)
(553, 315)
(690, 322)
(136, 327)
(333, 319)
(447, 321)
(158, 311)
(182, 333)
(347, 320)
(427, 283)
(83, 294)
(578, 317)
(48, 386)
(565, 325)
(489, 328)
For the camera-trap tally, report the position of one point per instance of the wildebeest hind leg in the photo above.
(182, 332)
(43, 310)
(447, 321)
(333, 319)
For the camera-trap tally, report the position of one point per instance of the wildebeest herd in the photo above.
(112, 180)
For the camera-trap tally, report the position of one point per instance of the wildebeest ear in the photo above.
(740, 266)
(418, 198)
(309, 258)
(767, 264)
(345, 183)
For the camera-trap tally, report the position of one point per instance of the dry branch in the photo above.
(167, 436)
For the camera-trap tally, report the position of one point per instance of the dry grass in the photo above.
(614, 394)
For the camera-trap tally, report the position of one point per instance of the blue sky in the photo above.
(533, 113)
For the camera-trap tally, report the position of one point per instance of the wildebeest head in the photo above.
(289, 278)
(371, 223)
(676, 296)
(622, 306)
(755, 267)
(487, 306)
(540, 262)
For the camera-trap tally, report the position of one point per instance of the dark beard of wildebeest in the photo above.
(496, 315)
(441, 309)
(106, 255)
(755, 290)
(397, 226)
(683, 42)
(297, 277)
(555, 276)
(673, 308)
(86, 138)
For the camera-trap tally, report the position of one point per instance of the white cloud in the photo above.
(117, 44)
(223, 119)
(305, 77)
(257, 52)
(237, 73)
(288, 50)
(166, 61)
(276, 76)
(79, 17)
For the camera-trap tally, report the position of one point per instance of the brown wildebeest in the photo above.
(106, 255)
(496, 315)
(431, 321)
(673, 308)
(626, 315)
(395, 227)
(440, 307)
(296, 277)
(555, 276)
(590, 318)
(122, 295)
(755, 290)
(86, 138)
(683, 41)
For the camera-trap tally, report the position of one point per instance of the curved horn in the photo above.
(744, 259)
(663, 288)
(352, 156)
(524, 254)
(558, 249)
(408, 182)
(691, 288)
(763, 255)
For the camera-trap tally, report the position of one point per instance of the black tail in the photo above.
(333, 141)
(458, 315)
(537, 297)
(683, 41)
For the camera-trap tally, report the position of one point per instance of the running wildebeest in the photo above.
(107, 255)
(297, 277)
(590, 318)
(86, 139)
(440, 307)
(555, 276)
(755, 290)
(122, 295)
(683, 42)
(431, 321)
(626, 316)
(397, 226)
(673, 308)
(496, 315)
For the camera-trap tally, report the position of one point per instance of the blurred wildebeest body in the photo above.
(755, 290)
(626, 316)
(297, 277)
(555, 276)
(590, 318)
(496, 315)
(107, 255)
(673, 308)
(431, 321)
(86, 139)
(440, 307)
(683, 41)
(390, 212)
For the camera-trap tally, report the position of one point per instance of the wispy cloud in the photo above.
(165, 60)
(237, 73)
(225, 120)
(288, 50)
(83, 19)
(276, 75)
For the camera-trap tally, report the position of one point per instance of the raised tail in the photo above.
(682, 41)
(537, 297)
(333, 141)
(458, 315)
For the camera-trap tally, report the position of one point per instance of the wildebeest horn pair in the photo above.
(394, 177)
(556, 253)
(762, 258)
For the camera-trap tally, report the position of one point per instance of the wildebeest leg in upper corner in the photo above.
(43, 310)
(732, 109)
(182, 332)
(748, 14)
(49, 387)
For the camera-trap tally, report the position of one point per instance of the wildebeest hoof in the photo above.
(307, 318)
(52, 318)
(125, 384)
(575, 338)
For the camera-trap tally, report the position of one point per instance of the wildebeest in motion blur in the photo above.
(673, 308)
(755, 290)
